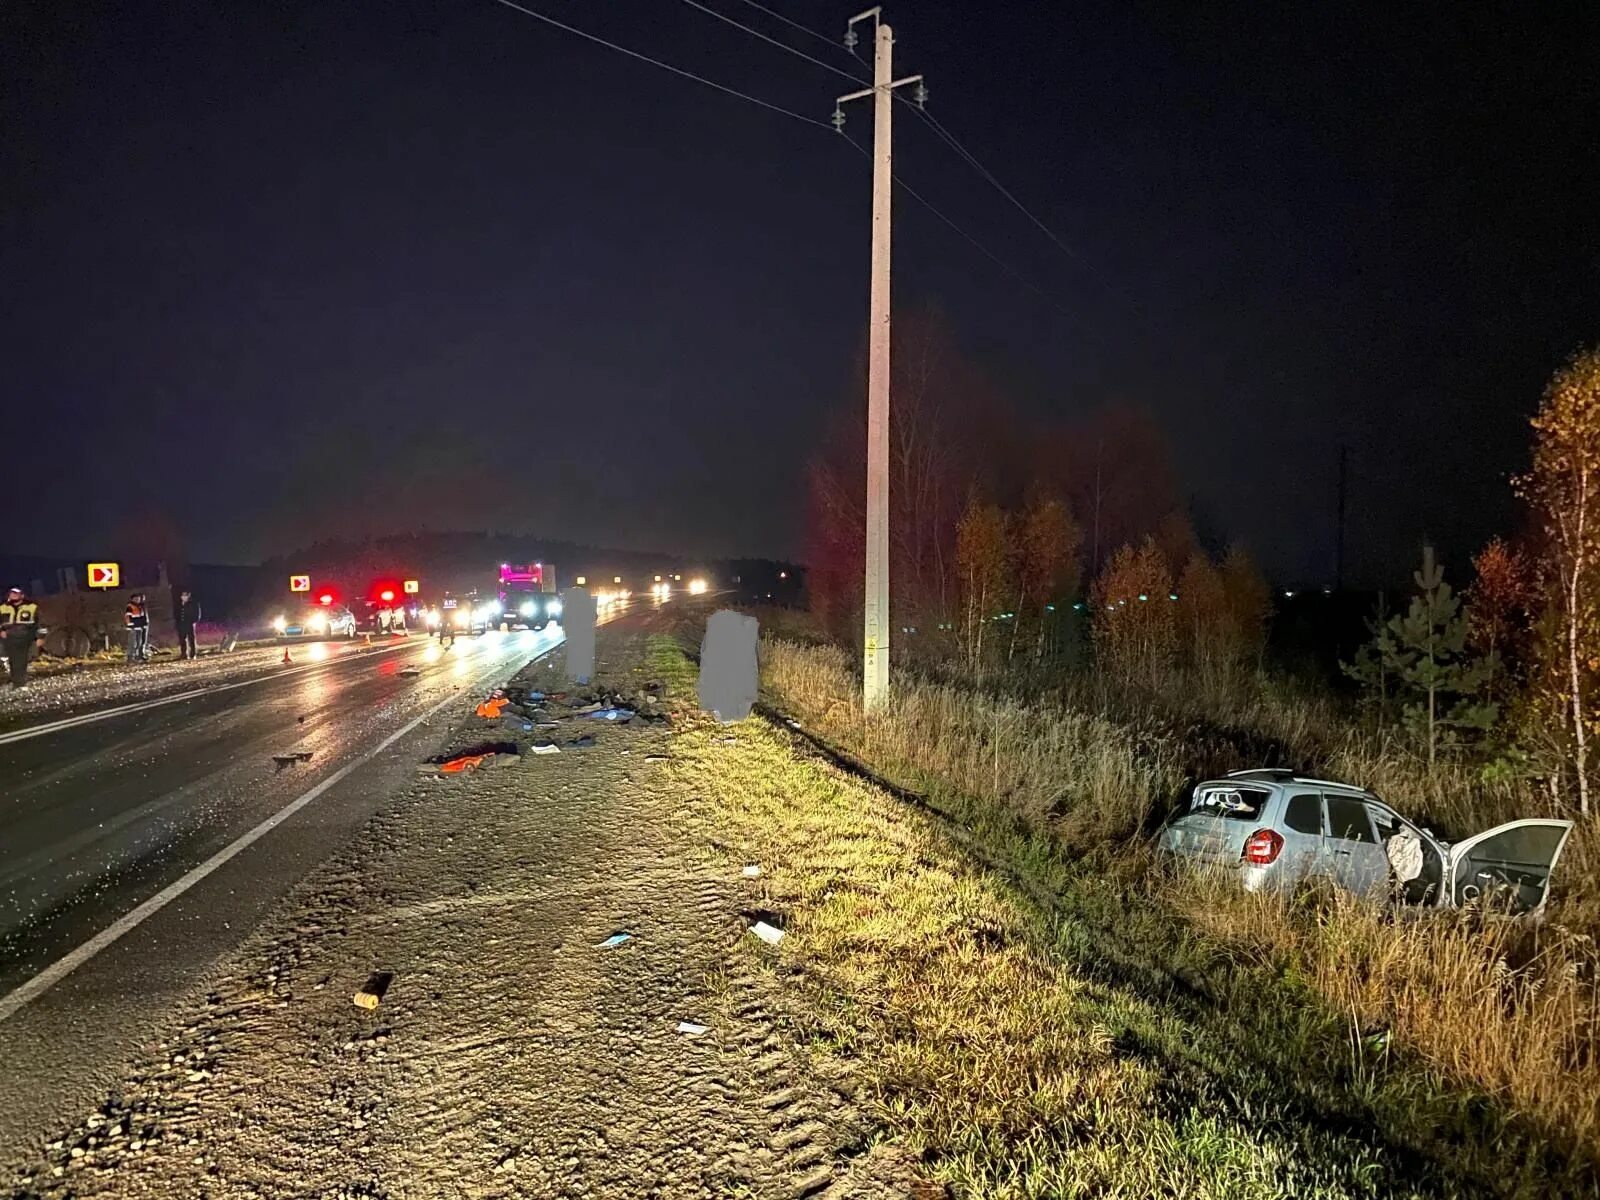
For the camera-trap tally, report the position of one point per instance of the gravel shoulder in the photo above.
(511, 1054)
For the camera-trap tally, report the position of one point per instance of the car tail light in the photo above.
(1261, 847)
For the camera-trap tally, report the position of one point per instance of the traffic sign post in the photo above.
(105, 575)
(299, 583)
(412, 587)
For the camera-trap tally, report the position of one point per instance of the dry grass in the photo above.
(973, 1034)
(1487, 1008)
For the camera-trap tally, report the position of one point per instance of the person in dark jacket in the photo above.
(186, 616)
(19, 630)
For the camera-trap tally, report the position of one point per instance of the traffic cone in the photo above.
(286, 657)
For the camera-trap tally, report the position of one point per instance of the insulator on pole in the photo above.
(838, 119)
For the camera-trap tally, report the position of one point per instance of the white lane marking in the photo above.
(104, 714)
(13, 1001)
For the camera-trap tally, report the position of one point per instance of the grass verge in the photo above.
(1081, 1026)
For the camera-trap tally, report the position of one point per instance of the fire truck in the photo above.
(526, 596)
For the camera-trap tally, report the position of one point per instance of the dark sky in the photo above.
(282, 270)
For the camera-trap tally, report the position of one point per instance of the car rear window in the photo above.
(1304, 813)
(1347, 819)
(1238, 803)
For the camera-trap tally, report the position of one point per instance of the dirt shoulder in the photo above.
(511, 1054)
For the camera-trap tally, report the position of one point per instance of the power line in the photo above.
(656, 62)
(975, 243)
(784, 46)
(806, 29)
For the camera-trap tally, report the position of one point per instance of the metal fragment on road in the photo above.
(616, 939)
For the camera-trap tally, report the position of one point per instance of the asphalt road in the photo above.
(137, 848)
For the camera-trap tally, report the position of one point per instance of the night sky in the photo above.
(280, 270)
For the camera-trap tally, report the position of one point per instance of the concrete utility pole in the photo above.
(875, 659)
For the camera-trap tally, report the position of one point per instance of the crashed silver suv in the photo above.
(1277, 830)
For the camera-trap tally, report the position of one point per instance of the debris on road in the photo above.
(491, 708)
(767, 933)
(409, 671)
(616, 939)
(544, 748)
(292, 757)
(582, 743)
(371, 992)
(473, 757)
(693, 1029)
(753, 871)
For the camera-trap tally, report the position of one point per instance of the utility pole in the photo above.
(875, 659)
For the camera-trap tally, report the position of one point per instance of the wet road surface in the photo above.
(132, 848)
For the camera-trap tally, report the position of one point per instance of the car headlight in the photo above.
(527, 608)
(463, 618)
(554, 608)
(493, 606)
(318, 623)
(279, 623)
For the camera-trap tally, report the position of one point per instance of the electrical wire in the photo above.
(784, 46)
(656, 62)
(806, 29)
(976, 244)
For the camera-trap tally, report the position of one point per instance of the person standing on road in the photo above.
(186, 616)
(137, 619)
(19, 630)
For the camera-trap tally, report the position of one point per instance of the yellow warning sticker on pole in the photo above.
(105, 575)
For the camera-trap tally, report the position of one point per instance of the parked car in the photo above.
(1277, 830)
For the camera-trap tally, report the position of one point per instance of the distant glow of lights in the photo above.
(582, 580)
(280, 623)
(697, 587)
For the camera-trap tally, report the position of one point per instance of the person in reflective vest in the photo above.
(19, 630)
(137, 619)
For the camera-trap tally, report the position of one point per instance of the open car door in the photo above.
(1507, 868)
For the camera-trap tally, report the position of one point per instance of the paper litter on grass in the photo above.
(547, 748)
(753, 871)
(767, 933)
(692, 1029)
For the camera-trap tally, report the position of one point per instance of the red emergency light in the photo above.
(387, 594)
(325, 598)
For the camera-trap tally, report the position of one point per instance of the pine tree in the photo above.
(1423, 652)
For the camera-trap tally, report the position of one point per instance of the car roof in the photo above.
(1282, 775)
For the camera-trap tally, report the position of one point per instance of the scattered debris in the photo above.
(544, 748)
(582, 743)
(589, 708)
(753, 871)
(620, 715)
(616, 939)
(371, 992)
(655, 758)
(692, 1028)
(486, 753)
(409, 671)
(289, 759)
(491, 709)
(767, 933)
(463, 762)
